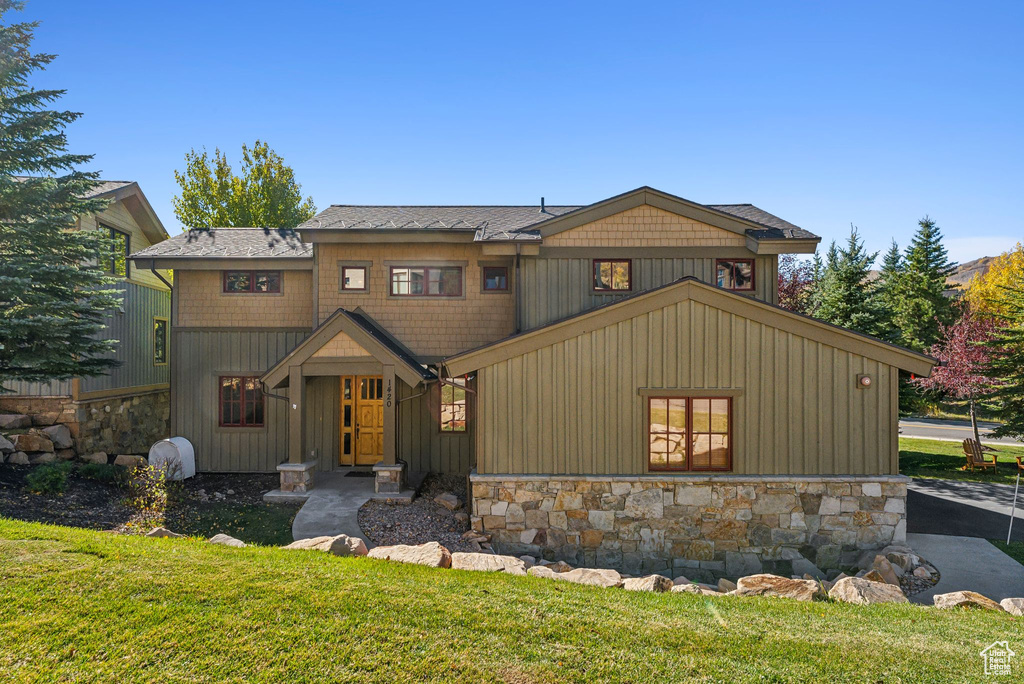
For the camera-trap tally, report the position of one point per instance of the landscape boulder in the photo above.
(18, 458)
(488, 562)
(338, 545)
(95, 457)
(14, 421)
(773, 585)
(32, 441)
(431, 554)
(542, 571)
(226, 540)
(45, 419)
(680, 580)
(656, 583)
(1013, 606)
(6, 445)
(65, 454)
(694, 589)
(923, 572)
(872, 576)
(864, 592)
(725, 585)
(965, 599)
(41, 457)
(883, 567)
(596, 578)
(129, 460)
(162, 532)
(449, 501)
(60, 435)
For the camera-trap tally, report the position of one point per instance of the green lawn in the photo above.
(943, 460)
(1014, 550)
(267, 524)
(86, 606)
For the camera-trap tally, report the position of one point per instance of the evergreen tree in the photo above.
(843, 294)
(1007, 363)
(888, 289)
(921, 306)
(53, 293)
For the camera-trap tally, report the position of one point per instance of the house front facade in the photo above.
(615, 379)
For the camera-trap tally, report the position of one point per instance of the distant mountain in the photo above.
(966, 271)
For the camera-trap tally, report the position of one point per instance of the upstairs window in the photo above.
(613, 275)
(353, 278)
(453, 405)
(736, 274)
(241, 401)
(689, 433)
(122, 247)
(252, 282)
(159, 341)
(426, 281)
(495, 278)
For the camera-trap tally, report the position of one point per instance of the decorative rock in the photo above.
(339, 545)
(681, 580)
(773, 585)
(97, 457)
(18, 458)
(922, 572)
(162, 532)
(864, 592)
(597, 578)
(41, 457)
(873, 576)
(487, 562)
(655, 583)
(449, 501)
(899, 559)
(65, 454)
(542, 571)
(6, 446)
(431, 554)
(225, 540)
(884, 568)
(694, 589)
(802, 566)
(528, 561)
(462, 517)
(60, 435)
(965, 599)
(14, 421)
(1013, 606)
(560, 566)
(44, 419)
(131, 461)
(726, 586)
(32, 441)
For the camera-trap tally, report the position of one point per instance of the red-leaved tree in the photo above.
(795, 280)
(963, 350)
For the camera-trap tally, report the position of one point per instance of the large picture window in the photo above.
(612, 275)
(736, 274)
(159, 341)
(241, 401)
(689, 433)
(453, 405)
(426, 281)
(252, 282)
(121, 249)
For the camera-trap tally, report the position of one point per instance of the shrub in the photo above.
(49, 478)
(105, 473)
(148, 496)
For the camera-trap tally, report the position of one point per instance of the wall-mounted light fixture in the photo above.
(863, 381)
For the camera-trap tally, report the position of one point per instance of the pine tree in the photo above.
(1007, 363)
(888, 285)
(921, 305)
(53, 294)
(844, 295)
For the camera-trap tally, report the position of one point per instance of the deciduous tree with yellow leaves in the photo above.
(986, 292)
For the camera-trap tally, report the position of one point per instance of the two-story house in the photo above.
(126, 410)
(615, 379)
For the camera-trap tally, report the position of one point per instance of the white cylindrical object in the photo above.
(176, 456)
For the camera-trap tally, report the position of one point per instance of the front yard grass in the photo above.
(942, 460)
(84, 606)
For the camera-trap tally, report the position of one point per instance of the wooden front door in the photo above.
(361, 420)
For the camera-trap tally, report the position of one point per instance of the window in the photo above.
(495, 278)
(353, 278)
(689, 433)
(736, 274)
(159, 341)
(612, 276)
(252, 282)
(426, 281)
(241, 402)
(453, 404)
(121, 249)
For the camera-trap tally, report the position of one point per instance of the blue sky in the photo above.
(824, 113)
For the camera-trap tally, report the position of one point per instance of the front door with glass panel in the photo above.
(362, 420)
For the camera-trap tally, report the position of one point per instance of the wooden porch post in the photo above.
(296, 409)
(390, 424)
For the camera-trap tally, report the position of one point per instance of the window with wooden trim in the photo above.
(453, 404)
(353, 278)
(426, 281)
(241, 401)
(252, 282)
(159, 341)
(613, 275)
(495, 278)
(735, 274)
(122, 247)
(689, 433)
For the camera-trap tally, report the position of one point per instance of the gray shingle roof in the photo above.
(231, 242)
(106, 186)
(774, 227)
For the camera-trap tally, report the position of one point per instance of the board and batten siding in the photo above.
(555, 288)
(198, 358)
(574, 407)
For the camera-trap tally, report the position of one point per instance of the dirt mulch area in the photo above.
(421, 521)
(85, 503)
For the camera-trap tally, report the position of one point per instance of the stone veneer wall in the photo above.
(701, 527)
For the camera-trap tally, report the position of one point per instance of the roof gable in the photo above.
(645, 226)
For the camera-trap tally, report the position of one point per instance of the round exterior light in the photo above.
(864, 381)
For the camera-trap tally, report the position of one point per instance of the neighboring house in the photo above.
(126, 410)
(615, 379)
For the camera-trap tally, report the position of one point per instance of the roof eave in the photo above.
(783, 245)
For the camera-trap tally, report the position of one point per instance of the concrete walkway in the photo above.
(968, 564)
(969, 509)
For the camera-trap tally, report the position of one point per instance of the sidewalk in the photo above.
(968, 564)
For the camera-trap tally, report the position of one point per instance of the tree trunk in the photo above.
(974, 420)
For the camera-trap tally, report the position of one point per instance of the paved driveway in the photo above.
(950, 430)
(967, 509)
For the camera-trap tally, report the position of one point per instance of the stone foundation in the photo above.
(389, 479)
(297, 477)
(703, 527)
(128, 424)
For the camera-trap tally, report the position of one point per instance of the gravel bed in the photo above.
(420, 521)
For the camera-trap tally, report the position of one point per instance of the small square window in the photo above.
(159, 341)
(495, 278)
(353, 277)
(736, 274)
(612, 275)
